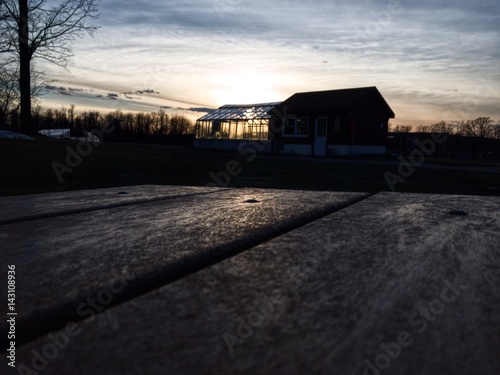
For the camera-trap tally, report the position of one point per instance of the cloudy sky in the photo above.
(432, 60)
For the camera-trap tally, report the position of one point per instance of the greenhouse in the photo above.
(236, 122)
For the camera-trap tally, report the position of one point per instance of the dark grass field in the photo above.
(26, 167)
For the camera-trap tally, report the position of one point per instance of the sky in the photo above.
(432, 60)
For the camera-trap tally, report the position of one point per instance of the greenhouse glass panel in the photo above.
(237, 122)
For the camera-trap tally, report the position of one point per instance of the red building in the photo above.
(336, 122)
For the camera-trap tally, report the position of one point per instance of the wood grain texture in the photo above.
(39, 206)
(64, 260)
(326, 298)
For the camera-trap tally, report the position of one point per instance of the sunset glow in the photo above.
(431, 60)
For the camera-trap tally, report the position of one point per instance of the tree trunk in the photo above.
(24, 68)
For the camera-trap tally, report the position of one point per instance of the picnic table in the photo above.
(203, 280)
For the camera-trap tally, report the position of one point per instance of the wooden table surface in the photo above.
(198, 280)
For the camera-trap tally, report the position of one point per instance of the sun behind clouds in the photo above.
(245, 88)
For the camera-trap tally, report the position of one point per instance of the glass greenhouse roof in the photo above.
(241, 112)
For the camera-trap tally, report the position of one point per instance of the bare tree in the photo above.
(481, 127)
(423, 128)
(42, 29)
(400, 128)
(497, 131)
(484, 126)
(463, 128)
(179, 125)
(442, 127)
(9, 89)
(9, 93)
(438, 127)
(4, 42)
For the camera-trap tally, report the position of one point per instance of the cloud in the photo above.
(200, 52)
(147, 91)
(200, 109)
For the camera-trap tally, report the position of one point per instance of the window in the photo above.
(321, 126)
(289, 127)
(302, 126)
(256, 129)
(224, 130)
(298, 127)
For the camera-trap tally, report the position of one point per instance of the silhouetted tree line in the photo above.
(131, 127)
(477, 139)
(483, 127)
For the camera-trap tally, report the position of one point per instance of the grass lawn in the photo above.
(26, 167)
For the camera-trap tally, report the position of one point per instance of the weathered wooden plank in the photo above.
(37, 206)
(63, 260)
(331, 297)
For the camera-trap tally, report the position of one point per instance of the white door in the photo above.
(320, 136)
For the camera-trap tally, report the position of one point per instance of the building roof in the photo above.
(333, 100)
(241, 112)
